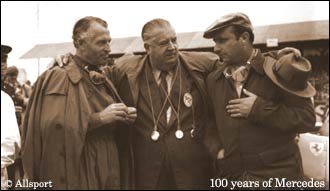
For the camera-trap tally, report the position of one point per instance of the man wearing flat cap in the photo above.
(257, 119)
(10, 137)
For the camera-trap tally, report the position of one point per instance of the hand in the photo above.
(132, 114)
(288, 50)
(221, 154)
(114, 113)
(241, 107)
(61, 60)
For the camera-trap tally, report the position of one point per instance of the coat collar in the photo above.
(73, 71)
(73, 68)
(138, 66)
(256, 65)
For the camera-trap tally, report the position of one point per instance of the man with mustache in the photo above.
(256, 120)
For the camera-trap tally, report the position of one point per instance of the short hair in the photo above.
(239, 30)
(153, 24)
(82, 26)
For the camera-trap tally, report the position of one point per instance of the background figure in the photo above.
(16, 91)
(256, 120)
(20, 95)
(10, 136)
(73, 119)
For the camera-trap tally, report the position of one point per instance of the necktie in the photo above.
(164, 93)
(163, 81)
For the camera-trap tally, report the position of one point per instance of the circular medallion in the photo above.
(155, 135)
(178, 134)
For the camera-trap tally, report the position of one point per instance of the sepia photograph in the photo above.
(164, 95)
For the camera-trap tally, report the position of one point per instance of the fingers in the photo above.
(235, 101)
(221, 154)
(233, 110)
(288, 50)
(246, 92)
(131, 110)
(122, 114)
(52, 63)
(296, 52)
(132, 116)
(58, 60)
(118, 107)
(236, 115)
(63, 59)
(232, 106)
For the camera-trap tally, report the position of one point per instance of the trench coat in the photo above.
(56, 135)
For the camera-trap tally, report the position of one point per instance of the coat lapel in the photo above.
(190, 68)
(132, 76)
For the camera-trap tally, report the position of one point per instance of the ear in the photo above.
(245, 36)
(146, 46)
(80, 43)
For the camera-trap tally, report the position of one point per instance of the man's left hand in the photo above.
(288, 50)
(241, 107)
(61, 60)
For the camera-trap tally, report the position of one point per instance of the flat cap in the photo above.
(5, 49)
(239, 19)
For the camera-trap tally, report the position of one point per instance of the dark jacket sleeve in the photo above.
(290, 114)
(212, 140)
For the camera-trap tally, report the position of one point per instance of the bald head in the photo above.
(149, 27)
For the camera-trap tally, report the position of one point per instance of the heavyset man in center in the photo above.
(167, 88)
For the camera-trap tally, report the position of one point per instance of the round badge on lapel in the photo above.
(187, 99)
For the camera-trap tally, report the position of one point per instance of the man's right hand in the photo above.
(116, 112)
(132, 114)
(221, 154)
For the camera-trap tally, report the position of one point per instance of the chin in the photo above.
(171, 64)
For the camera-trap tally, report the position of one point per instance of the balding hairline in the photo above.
(152, 25)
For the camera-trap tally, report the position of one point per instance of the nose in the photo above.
(107, 48)
(217, 49)
(172, 45)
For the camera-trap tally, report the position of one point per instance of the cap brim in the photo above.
(5, 49)
(309, 91)
(210, 33)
